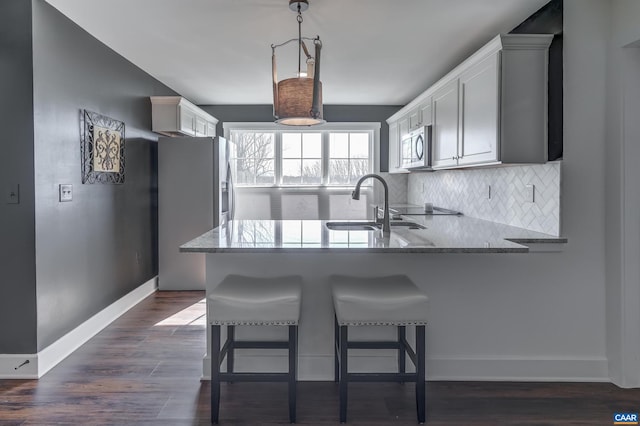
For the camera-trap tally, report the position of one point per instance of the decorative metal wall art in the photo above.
(102, 148)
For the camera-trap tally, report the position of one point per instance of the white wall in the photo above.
(623, 199)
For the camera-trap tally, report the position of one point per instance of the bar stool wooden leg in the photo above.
(401, 350)
(336, 345)
(293, 357)
(231, 337)
(343, 373)
(420, 371)
(215, 373)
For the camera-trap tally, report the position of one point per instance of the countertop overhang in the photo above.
(443, 234)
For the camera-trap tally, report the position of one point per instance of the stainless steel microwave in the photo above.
(415, 149)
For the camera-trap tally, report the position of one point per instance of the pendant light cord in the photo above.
(299, 18)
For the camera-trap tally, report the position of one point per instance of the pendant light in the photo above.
(297, 101)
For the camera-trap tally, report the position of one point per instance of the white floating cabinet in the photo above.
(176, 116)
(492, 108)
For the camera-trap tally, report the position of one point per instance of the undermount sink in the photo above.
(370, 226)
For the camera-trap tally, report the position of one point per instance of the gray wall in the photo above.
(103, 244)
(332, 113)
(17, 234)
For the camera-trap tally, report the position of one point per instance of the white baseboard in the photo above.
(40, 363)
(12, 366)
(519, 369)
(320, 368)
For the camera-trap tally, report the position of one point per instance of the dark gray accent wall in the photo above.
(17, 233)
(332, 113)
(103, 244)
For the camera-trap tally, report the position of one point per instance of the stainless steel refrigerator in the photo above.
(195, 194)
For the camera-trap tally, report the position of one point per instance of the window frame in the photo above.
(373, 128)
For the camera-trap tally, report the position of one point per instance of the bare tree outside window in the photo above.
(348, 157)
(301, 158)
(254, 163)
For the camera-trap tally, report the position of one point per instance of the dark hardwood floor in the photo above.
(144, 369)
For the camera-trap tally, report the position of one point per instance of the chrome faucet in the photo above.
(386, 226)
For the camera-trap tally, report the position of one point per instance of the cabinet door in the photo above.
(425, 114)
(394, 149)
(211, 129)
(404, 147)
(414, 119)
(403, 127)
(201, 126)
(479, 110)
(445, 126)
(187, 120)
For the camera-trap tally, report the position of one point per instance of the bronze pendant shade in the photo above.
(298, 101)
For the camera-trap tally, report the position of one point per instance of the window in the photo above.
(334, 154)
(302, 158)
(349, 157)
(255, 158)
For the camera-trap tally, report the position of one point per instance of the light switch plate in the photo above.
(13, 193)
(66, 192)
(530, 193)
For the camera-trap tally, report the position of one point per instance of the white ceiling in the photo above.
(375, 52)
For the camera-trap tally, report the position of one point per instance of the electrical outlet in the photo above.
(530, 193)
(13, 194)
(66, 192)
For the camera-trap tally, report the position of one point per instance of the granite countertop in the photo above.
(443, 234)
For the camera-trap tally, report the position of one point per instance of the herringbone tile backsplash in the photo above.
(398, 187)
(468, 191)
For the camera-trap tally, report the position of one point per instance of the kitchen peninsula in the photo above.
(451, 254)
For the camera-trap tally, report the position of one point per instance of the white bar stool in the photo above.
(387, 301)
(241, 300)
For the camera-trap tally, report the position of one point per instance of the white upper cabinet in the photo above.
(175, 116)
(394, 149)
(480, 109)
(445, 125)
(420, 116)
(415, 119)
(492, 108)
(398, 130)
(425, 113)
(211, 128)
(403, 126)
(186, 124)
